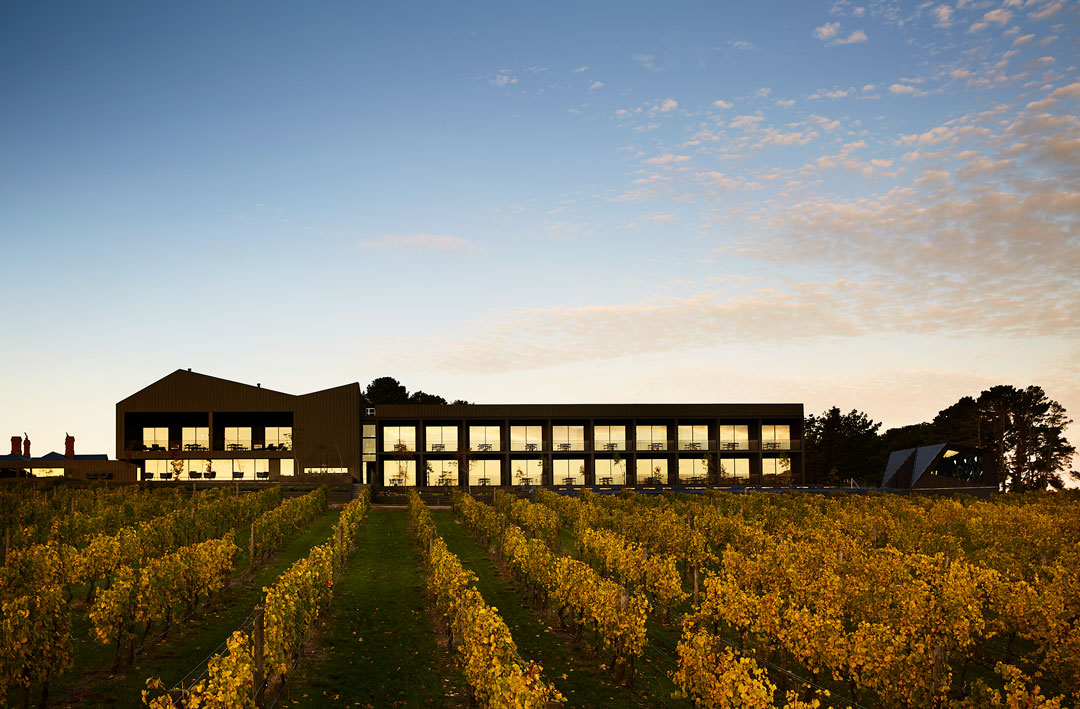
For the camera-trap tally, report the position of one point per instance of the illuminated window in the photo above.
(157, 470)
(652, 438)
(326, 471)
(610, 438)
(195, 438)
(288, 466)
(243, 469)
(526, 438)
(568, 438)
(569, 471)
(484, 438)
(399, 439)
(370, 442)
(693, 438)
(238, 438)
(47, 472)
(526, 472)
(776, 471)
(652, 471)
(442, 472)
(156, 438)
(610, 473)
(733, 470)
(693, 470)
(440, 438)
(399, 473)
(734, 438)
(485, 472)
(279, 437)
(776, 437)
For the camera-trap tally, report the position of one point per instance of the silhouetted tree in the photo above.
(386, 390)
(842, 446)
(420, 397)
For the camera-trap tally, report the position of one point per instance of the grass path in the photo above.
(171, 659)
(378, 647)
(578, 672)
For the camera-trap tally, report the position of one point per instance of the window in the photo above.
(734, 438)
(568, 438)
(279, 437)
(776, 438)
(440, 438)
(399, 439)
(569, 471)
(157, 470)
(195, 438)
(262, 468)
(326, 471)
(610, 438)
(776, 471)
(526, 438)
(237, 438)
(735, 470)
(47, 472)
(652, 471)
(442, 472)
(155, 438)
(693, 438)
(610, 473)
(243, 469)
(484, 438)
(693, 470)
(288, 466)
(399, 473)
(526, 472)
(485, 472)
(652, 438)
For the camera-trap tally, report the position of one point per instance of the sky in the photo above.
(872, 205)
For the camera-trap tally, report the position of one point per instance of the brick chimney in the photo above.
(16, 445)
(69, 446)
(26, 445)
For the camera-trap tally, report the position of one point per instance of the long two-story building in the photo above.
(190, 426)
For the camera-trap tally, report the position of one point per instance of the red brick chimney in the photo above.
(69, 446)
(16, 445)
(26, 445)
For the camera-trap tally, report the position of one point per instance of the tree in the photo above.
(386, 390)
(420, 397)
(847, 442)
(1020, 430)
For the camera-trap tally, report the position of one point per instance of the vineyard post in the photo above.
(251, 549)
(257, 638)
(695, 584)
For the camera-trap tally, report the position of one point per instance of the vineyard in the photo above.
(174, 598)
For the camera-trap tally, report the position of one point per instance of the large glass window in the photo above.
(652, 471)
(734, 438)
(442, 472)
(569, 471)
(733, 470)
(243, 469)
(47, 472)
(237, 438)
(195, 438)
(526, 438)
(370, 444)
(288, 467)
(776, 438)
(484, 438)
(279, 438)
(157, 470)
(440, 438)
(693, 471)
(610, 438)
(399, 439)
(568, 438)
(693, 438)
(776, 471)
(651, 438)
(155, 438)
(526, 472)
(399, 473)
(485, 472)
(326, 471)
(610, 473)
(199, 469)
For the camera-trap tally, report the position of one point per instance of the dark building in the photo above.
(192, 426)
(939, 466)
(69, 464)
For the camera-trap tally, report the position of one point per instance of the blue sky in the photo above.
(871, 205)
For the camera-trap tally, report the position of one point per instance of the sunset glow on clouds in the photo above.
(873, 205)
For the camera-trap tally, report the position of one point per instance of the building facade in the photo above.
(190, 426)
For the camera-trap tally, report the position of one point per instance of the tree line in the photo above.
(1020, 430)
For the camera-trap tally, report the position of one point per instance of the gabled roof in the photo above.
(924, 458)
(187, 378)
(896, 461)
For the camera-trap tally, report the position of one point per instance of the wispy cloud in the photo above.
(503, 78)
(580, 69)
(648, 61)
(668, 105)
(596, 85)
